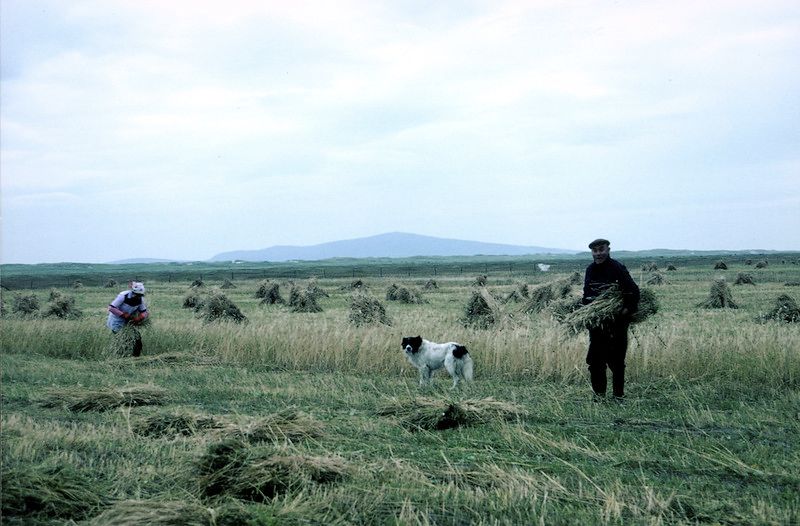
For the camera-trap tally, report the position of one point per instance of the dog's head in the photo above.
(411, 344)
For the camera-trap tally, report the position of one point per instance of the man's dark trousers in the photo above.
(607, 348)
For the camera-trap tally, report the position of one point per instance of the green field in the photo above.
(306, 418)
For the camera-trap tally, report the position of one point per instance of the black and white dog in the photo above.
(428, 356)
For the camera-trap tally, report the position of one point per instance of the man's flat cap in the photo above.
(598, 242)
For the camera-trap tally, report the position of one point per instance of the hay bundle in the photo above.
(404, 295)
(218, 307)
(313, 289)
(480, 281)
(762, 264)
(110, 284)
(302, 301)
(287, 424)
(80, 400)
(648, 305)
(54, 294)
(435, 415)
(481, 310)
(155, 513)
(176, 424)
(431, 285)
(198, 283)
(720, 265)
(513, 297)
(259, 474)
(540, 296)
(650, 267)
(192, 300)
(227, 284)
(672, 268)
(744, 279)
(563, 307)
(365, 310)
(657, 279)
(792, 284)
(606, 309)
(270, 294)
(748, 262)
(77, 284)
(356, 284)
(124, 342)
(719, 297)
(46, 491)
(785, 309)
(25, 305)
(63, 307)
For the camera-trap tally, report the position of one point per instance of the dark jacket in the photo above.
(599, 277)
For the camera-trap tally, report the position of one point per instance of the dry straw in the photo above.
(217, 307)
(671, 268)
(366, 309)
(302, 301)
(176, 424)
(606, 309)
(719, 297)
(286, 425)
(540, 296)
(198, 283)
(81, 400)
(313, 289)
(431, 285)
(227, 284)
(155, 513)
(47, 491)
(110, 284)
(269, 293)
(432, 414)
(123, 343)
(25, 304)
(720, 265)
(657, 279)
(762, 264)
(744, 278)
(481, 311)
(235, 469)
(193, 300)
(784, 309)
(404, 295)
(63, 307)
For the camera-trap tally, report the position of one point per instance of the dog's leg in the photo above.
(424, 376)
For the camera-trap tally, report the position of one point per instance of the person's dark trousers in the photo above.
(607, 348)
(137, 346)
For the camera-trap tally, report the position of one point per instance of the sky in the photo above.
(181, 129)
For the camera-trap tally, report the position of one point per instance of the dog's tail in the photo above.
(461, 353)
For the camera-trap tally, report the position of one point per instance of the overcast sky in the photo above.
(181, 129)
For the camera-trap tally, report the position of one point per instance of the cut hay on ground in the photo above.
(79, 400)
(258, 474)
(176, 424)
(366, 309)
(218, 307)
(720, 265)
(481, 311)
(785, 310)
(44, 491)
(432, 414)
(155, 513)
(184, 358)
(286, 425)
(62, 307)
(270, 293)
(744, 278)
(302, 301)
(719, 297)
(404, 295)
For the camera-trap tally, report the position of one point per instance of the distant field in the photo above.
(297, 418)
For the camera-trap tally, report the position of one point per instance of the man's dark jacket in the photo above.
(599, 277)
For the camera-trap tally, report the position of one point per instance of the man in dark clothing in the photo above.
(609, 344)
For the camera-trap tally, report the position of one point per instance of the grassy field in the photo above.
(298, 418)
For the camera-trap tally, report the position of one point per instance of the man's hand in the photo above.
(125, 316)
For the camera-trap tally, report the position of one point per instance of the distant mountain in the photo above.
(391, 245)
(138, 261)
